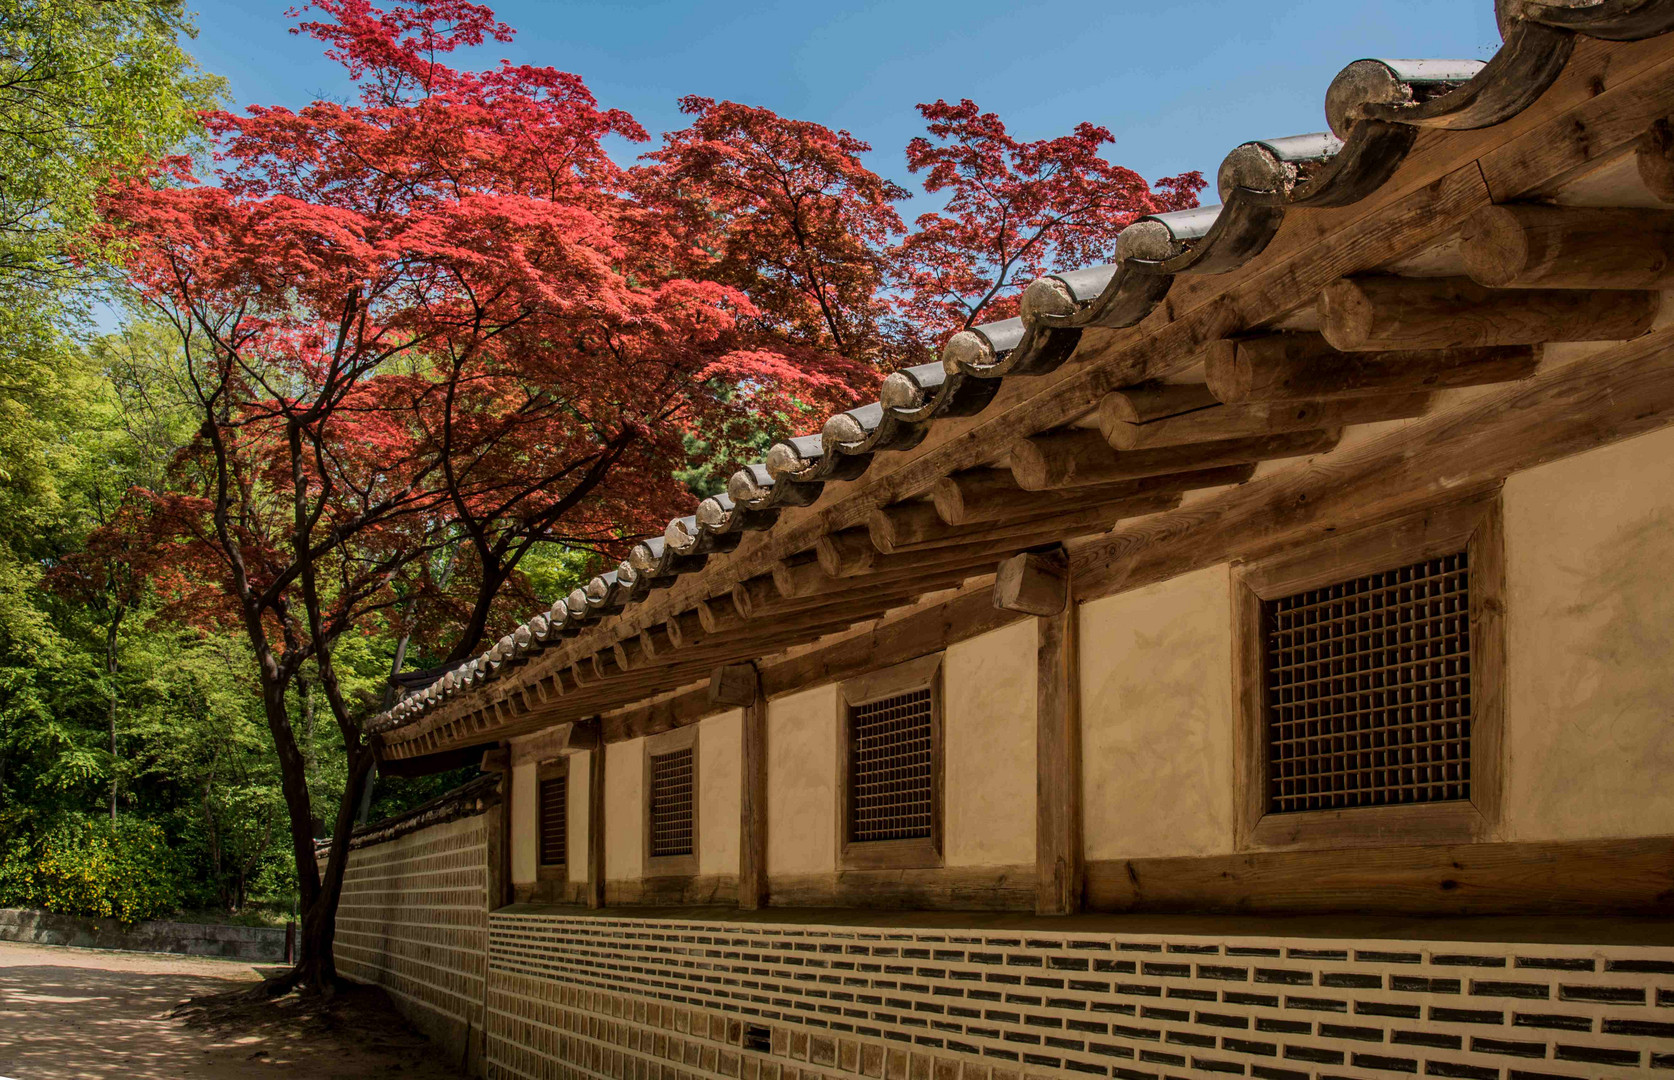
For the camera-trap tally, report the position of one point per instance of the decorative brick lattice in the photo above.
(414, 920)
(618, 997)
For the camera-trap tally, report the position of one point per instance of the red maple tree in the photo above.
(429, 326)
(1013, 211)
(437, 326)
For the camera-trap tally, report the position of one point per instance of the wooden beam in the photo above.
(596, 826)
(1529, 246)
(1375, 313)
(752, 801)
(982, 496)
(1083, 458)
(917, 527)
(1623, 391)
(1034, 582)
(1155, 400)
(1255, 420)
(1654, 158)
(1304, 367)
(1059, 852)
(1583, 877)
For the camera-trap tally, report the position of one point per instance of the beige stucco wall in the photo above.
(719, 752)
(802, 782)
(1157, 723)
(988, 726)
(1590, 644)
(581, 765)
(523, 823)
(624, 815)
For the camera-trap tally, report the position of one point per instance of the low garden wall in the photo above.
(414, 914)
(257, 943)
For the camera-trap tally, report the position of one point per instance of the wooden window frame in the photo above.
(665, 866)
(924, 853)
(551, 770)
(1472, 523)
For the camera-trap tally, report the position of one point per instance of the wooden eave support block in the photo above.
(734, 684)
(1034, 583)
(1378, 313)
(1304, 367)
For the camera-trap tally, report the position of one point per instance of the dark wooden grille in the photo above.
(554, 819)
(890, 768)
(1369, 690)
(671, 803)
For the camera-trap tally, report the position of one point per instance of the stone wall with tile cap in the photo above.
(575, 996)
(414, 920)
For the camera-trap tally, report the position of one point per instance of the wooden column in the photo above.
(596, 826)
(500, 891)
(739, 685)
(1039, 583)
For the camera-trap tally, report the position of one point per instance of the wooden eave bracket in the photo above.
(1034, 582)
(736, 685)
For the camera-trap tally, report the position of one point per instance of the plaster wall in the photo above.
(720, 749)
(988, 729)
(1590, 644)
(802, 782)
(581, 765)
(524, 852)
(1157, 719)
(624, 816)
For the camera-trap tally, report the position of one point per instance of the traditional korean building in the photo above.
(1257, 660)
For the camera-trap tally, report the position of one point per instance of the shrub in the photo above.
(87, 866)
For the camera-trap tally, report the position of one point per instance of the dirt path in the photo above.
(71, 1014)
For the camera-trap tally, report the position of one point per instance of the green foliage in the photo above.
(554, 571)
(89, 90)
(83, 866)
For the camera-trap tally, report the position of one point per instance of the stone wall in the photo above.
(610, 997)
(260, 943)
(414, 920)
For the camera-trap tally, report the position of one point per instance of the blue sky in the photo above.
(1178, 83)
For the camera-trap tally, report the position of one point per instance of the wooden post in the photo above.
(596, 826)
(1039, 583)
(500, 889)
(739, 685)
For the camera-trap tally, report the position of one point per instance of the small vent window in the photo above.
(554, 820)
(671, 804)
(1368, 690)
(890, 768)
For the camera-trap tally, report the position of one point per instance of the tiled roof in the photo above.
(1374, 108)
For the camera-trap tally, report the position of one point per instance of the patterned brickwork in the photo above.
(414, 920)
(572, 996)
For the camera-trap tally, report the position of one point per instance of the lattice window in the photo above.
(1368, 690)
(554, 809)
(891, 780)
(672, 793)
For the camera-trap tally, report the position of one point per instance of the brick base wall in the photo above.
(414, 920)
(607, 997)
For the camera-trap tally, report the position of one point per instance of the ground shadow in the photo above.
(72, 1013)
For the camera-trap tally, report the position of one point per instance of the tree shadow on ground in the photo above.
(75, 1014)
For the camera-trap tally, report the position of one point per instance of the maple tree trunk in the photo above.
(318, 889)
